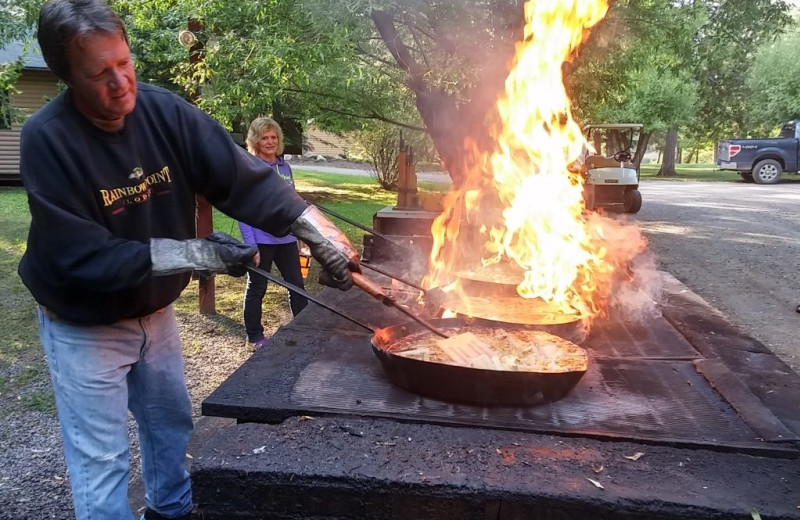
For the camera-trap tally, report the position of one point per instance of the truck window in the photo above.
(787, 131)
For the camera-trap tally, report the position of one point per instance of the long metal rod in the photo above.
(363, 227)
(308, 295)
(390, 275)
(377, 292)
(379, 235)
(419, 319)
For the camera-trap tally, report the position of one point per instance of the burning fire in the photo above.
(521, 212)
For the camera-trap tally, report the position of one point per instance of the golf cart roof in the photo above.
(616, 126)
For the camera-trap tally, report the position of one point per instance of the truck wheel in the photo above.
(767, 171)
(747, 176)
(632, 201)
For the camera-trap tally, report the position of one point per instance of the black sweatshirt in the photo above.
(96, 199)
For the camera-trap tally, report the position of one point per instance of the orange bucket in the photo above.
(305, 265)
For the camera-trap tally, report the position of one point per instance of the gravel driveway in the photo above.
(738, 246)
(735, 244)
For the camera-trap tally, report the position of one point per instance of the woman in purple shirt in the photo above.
(265, 141)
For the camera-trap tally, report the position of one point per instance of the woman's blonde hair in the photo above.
(258, 127)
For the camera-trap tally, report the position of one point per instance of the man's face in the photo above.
(102, 79)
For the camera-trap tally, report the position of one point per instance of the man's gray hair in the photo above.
(63, 21)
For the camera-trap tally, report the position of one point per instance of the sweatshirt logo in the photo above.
(138, 193)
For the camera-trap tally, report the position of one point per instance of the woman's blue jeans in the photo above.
(287, 260)
(98, 374)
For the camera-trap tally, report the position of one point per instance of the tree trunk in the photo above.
(670, 147)
(451, 126)
(597, 142)
(641, 148)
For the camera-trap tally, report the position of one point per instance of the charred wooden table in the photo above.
(681, 416)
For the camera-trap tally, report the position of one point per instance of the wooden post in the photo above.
(412, 200)
(406, 179)
(204, 224)
(206, 289)
(402, 162)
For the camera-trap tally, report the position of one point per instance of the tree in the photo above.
(455, 90)
(662, 101)
(346, 63)
(381, 143)
(723, 54)
(435, 67)
(17, 19)
(773, 84)
(633, 71)
(261, 54)
(9, 73)
(705, 46)
(438, 67)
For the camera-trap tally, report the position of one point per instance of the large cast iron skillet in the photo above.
(456, 383)
(464, 384)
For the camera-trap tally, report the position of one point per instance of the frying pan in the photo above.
(451, 383)
(467, 385)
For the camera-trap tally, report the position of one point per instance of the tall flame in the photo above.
(521, 208)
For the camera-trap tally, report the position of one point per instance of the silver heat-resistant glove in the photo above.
(217, 253)
(328, 245)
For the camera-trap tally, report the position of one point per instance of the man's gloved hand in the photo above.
(327, 279)
(217, 253)
(328, 245)
(237, 255)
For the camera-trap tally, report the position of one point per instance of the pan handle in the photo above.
(402, 280)
(369, 287)
(377, 292)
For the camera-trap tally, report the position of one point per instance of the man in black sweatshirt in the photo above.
(111, 168)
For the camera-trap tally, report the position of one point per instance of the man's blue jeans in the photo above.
(98, 373)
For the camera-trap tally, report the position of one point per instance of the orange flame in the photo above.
(521, 208)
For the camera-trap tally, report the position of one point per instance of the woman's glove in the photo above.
(217, 253)
(328, 245)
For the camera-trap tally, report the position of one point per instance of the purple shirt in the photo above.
(251, 235)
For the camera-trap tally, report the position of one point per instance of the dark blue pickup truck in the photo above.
(762, 160)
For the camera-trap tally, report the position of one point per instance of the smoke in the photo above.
(414, 252)
(640, 298)
(636, 290)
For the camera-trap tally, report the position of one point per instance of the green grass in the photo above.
(690, 172)
(22, 364)
(704, 172)
(17, 310)
(40, 400)
(357, 198)
(22, 360)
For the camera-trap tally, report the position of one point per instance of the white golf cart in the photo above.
(611, 176)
